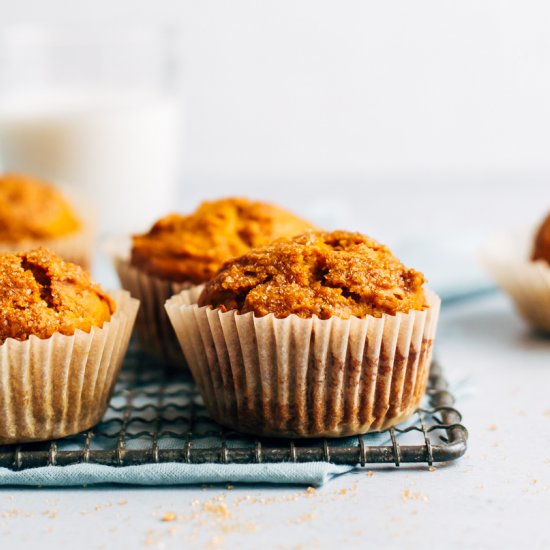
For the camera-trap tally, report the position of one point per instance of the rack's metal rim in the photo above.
(453, 445)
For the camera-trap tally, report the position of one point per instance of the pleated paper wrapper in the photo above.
(154, 331)
(297, 377)
(58, 386)
(507, 259)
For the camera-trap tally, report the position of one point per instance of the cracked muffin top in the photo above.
(338, 274)
(41, 294)
(31, 209)
(541, 250)
(192, 248)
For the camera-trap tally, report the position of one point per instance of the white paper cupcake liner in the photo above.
(154, 331)
(297, 377)
(527, 282)
(58, 386)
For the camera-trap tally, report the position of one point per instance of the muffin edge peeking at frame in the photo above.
(519, 263)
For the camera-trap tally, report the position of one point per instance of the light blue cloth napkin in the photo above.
(313, 473)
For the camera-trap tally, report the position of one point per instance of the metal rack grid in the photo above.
(156, 417)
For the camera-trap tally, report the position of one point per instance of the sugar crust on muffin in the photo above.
(325, 274)
(40, 295)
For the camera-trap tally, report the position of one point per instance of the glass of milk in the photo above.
(97, 111)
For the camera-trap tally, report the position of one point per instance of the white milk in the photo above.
(120, 149)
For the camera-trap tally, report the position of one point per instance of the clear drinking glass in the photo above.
(97, 110)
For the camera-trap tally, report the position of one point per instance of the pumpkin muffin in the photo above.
(62, 341)
(180, 251)
(33, 213)
(41, 294)
(192, 248)
(321, 335)
(541, 248)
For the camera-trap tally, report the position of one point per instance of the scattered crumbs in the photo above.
(310, 490)
(150, 539)
(14, 513)
(195, 501)
(493, 428)
(370, 473)
(230, 487)
(168, 516)
(219, 510)
(122, 502)
(343, 491)
(215, 541)
(51, 514)
(408, 495)
(100, 507)
(533, 481)
(432, 469)
(303, 518)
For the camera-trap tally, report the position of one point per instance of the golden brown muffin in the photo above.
(41, 294)
(541, 250)
(339, 274)
(192, 248)
(31, 209)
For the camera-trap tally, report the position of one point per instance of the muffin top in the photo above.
(192, 248)
(41, 294)
(541, 250)
(338, 274)
(31, 209)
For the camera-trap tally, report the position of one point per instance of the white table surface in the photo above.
(497, 496)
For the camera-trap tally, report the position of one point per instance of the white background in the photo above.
(352, 93)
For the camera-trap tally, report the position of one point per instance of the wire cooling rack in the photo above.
(155, 416)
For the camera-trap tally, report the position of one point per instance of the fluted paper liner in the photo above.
(297, 377)
(58, 386)
(154, 331)
(527, 282)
